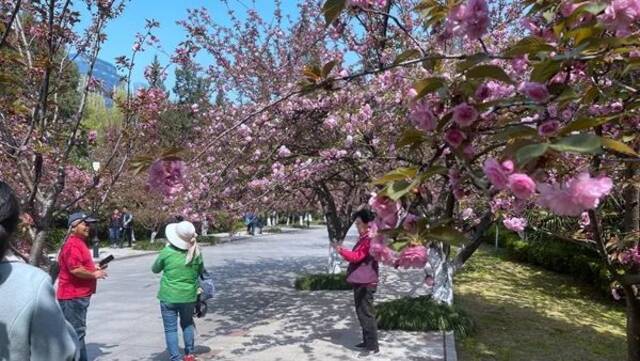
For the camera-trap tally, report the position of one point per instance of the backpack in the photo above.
(207, 290)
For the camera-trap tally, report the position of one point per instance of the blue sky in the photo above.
(121, 32)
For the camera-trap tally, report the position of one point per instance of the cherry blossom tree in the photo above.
(46, 149)
(534, 108)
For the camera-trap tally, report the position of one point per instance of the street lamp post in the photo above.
(96, 179)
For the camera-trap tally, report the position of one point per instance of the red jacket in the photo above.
(75, 253)
(359, 252)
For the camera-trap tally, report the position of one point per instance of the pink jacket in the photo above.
(359, 252)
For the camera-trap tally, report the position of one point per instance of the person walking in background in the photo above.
(362, 274)
(34, 326)
(127, 225)
(250, 222)
(114, 228)
(78, 276)
(180, 263)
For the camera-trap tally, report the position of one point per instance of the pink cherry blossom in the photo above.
(166, 175)
(413, 257)
(620, 15)
(386, 211)
(367, 3)
(495, 173)
(521, 185)
(519, 64)
(422, 117)
(454, 137)
(382, 253)
(464, 115)
(92, 136)
(549, 128)
(578, 194)
(584, 220)
(476, 18)
(515, 224)
(410, 223)
(536, 91)
(507, 166)
(283, 151)
(587, 191)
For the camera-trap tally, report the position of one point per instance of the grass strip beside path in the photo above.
(525, 313)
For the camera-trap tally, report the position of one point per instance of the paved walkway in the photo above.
(257, 314)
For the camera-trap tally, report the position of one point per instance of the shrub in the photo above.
(146, 245)
(209, 239)
(560, 256)
(423, 314)
(322, 281)
(55, 238)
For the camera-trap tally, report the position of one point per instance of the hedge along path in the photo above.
(523, 312)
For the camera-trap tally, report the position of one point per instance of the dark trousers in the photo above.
(363, 297)
(127, 235)
(75, 311)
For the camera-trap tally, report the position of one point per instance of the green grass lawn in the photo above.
(525, 313)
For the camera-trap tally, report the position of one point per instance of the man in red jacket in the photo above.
(78, 276)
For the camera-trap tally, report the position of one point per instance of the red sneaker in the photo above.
(189, 358)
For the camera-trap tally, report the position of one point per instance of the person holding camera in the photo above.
(78, 276)
(362, 274)
(32, 322)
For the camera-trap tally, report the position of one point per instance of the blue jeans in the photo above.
(113, 236)
(170, 312)
(75, 311)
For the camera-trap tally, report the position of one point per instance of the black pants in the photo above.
(127, 235)
(363, 297)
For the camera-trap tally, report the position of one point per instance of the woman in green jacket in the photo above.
(180, 263)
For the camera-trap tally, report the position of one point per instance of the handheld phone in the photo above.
(106, 261)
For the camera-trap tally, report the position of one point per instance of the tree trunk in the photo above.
(337, 228)
(442, 273)
(333, 264)
(631, 195)
(153, 236)
(633, 324)
(37, 246)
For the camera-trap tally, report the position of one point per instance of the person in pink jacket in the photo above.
(363, 293)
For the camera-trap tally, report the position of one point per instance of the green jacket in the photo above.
(179, 282)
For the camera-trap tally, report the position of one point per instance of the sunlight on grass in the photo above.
(525, 313)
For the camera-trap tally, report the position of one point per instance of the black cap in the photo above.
(80, 216)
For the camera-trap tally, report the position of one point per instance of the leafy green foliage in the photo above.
(407, 55)
(530, 152)
(422, 314)
(488, 71)
(148, 246)
(209, 239)
(322, 281)
(555, 255)
(332, 9)
(55, 237)
(579, 143)
(525, 313)
(190, 87)
(428, 85)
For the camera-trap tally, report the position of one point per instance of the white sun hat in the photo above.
(181, 235)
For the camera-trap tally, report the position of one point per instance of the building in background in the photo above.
(103, 71)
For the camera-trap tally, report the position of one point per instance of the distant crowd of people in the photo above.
(121, 228)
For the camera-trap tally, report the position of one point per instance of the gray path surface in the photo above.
(257, 314)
